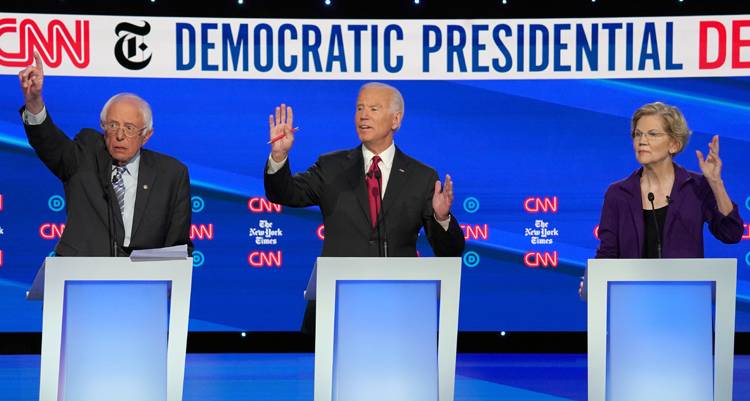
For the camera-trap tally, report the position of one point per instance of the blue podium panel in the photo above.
(660, 341)
(385, 341)
(114, 341)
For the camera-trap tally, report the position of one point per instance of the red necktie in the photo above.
(373, 189)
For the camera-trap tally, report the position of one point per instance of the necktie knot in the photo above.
(374, 166)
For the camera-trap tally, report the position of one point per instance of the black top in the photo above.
(649, 240)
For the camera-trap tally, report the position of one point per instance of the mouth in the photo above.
(364, 126)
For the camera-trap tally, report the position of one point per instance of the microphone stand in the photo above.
(656, 223)
(381, 216)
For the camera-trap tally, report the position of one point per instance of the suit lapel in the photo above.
(146, 178)
(355, 174)
(681, 177)
(396, 181)
(633, 187)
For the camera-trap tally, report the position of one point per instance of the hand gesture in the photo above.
(32, 80)
(442, 198)
(711, 166)
(281, 131)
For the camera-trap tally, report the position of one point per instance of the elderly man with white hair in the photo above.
(119, 196)
(374, 198)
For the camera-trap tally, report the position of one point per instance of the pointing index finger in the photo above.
(38, 61)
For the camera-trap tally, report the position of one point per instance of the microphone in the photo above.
(105, 183)
(656, 223)
(381, 215)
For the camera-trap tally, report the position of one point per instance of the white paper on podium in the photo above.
(167, 253)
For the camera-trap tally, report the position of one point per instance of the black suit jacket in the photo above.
(336, 183)
(162, 205)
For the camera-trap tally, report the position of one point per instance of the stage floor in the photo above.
(289, 377)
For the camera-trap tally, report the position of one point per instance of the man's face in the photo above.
(374, 119)
(125, 114)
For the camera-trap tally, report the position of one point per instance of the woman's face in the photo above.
(651, 142)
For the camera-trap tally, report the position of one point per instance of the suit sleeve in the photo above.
(59, 153)
(300, 190)
(449, 242)
(178, 232)
(727, 229)
(608, 229)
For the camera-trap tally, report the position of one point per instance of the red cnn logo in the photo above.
(476, 231)
(746, 234)
(540, 259)
(540, 205)
(202, 231)
(51, 230)
(262, 205)
(321, 232)
(51, 46)
(260, 259)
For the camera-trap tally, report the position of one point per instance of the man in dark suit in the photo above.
(346, 185)
(119, 196)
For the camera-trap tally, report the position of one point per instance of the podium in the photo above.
(661, 329)
(114, 329)
(386, 328)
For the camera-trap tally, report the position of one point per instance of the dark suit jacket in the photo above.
(336, 183)
(621, 229)
(162, 204)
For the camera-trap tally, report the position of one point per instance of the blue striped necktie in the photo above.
(119, 186)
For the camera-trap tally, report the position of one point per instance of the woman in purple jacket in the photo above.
(659, 210)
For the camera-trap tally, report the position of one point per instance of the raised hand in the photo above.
(32, 80)
(711, 165)
(281, 132)
(442, 198)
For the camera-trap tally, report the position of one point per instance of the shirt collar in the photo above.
(386, 156)
(132, 165)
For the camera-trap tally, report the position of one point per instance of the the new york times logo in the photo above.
(130, 49)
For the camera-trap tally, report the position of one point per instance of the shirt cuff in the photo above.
(274, 166)
(445, 224)
(34, 119)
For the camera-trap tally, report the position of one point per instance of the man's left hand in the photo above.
(442, 199)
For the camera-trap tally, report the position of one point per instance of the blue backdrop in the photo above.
(502, 142)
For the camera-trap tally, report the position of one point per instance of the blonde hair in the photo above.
(673, 120)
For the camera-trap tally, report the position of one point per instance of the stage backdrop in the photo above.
(530, 117)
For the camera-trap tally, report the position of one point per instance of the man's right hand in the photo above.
(282, 125)
(32, 80)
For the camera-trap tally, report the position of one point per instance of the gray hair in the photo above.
(674, 122)
(397, 101)
(143, 107)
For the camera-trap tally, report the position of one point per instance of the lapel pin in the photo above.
(401, 170)
(145, 186)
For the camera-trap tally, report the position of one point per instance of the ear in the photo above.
(396, 123)
(674, 146)
(147, 136)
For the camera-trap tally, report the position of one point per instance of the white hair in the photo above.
(397, 101)
(143, 107)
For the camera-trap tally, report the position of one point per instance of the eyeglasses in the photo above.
(649, 135)
(113, 128)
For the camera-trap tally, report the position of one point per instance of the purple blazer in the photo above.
(621, 228)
